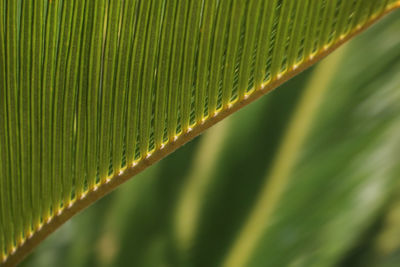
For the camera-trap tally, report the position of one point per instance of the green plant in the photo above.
(53, 127)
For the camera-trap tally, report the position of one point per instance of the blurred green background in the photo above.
(324, 147)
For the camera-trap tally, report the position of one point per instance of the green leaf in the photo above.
(190, 208)
(96, 91)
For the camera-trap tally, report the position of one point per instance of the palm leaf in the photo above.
(96, 91)
(339, 189)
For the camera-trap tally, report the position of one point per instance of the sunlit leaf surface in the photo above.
(94, 91)
(338, 206)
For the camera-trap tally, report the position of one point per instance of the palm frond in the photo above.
(94, 92)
